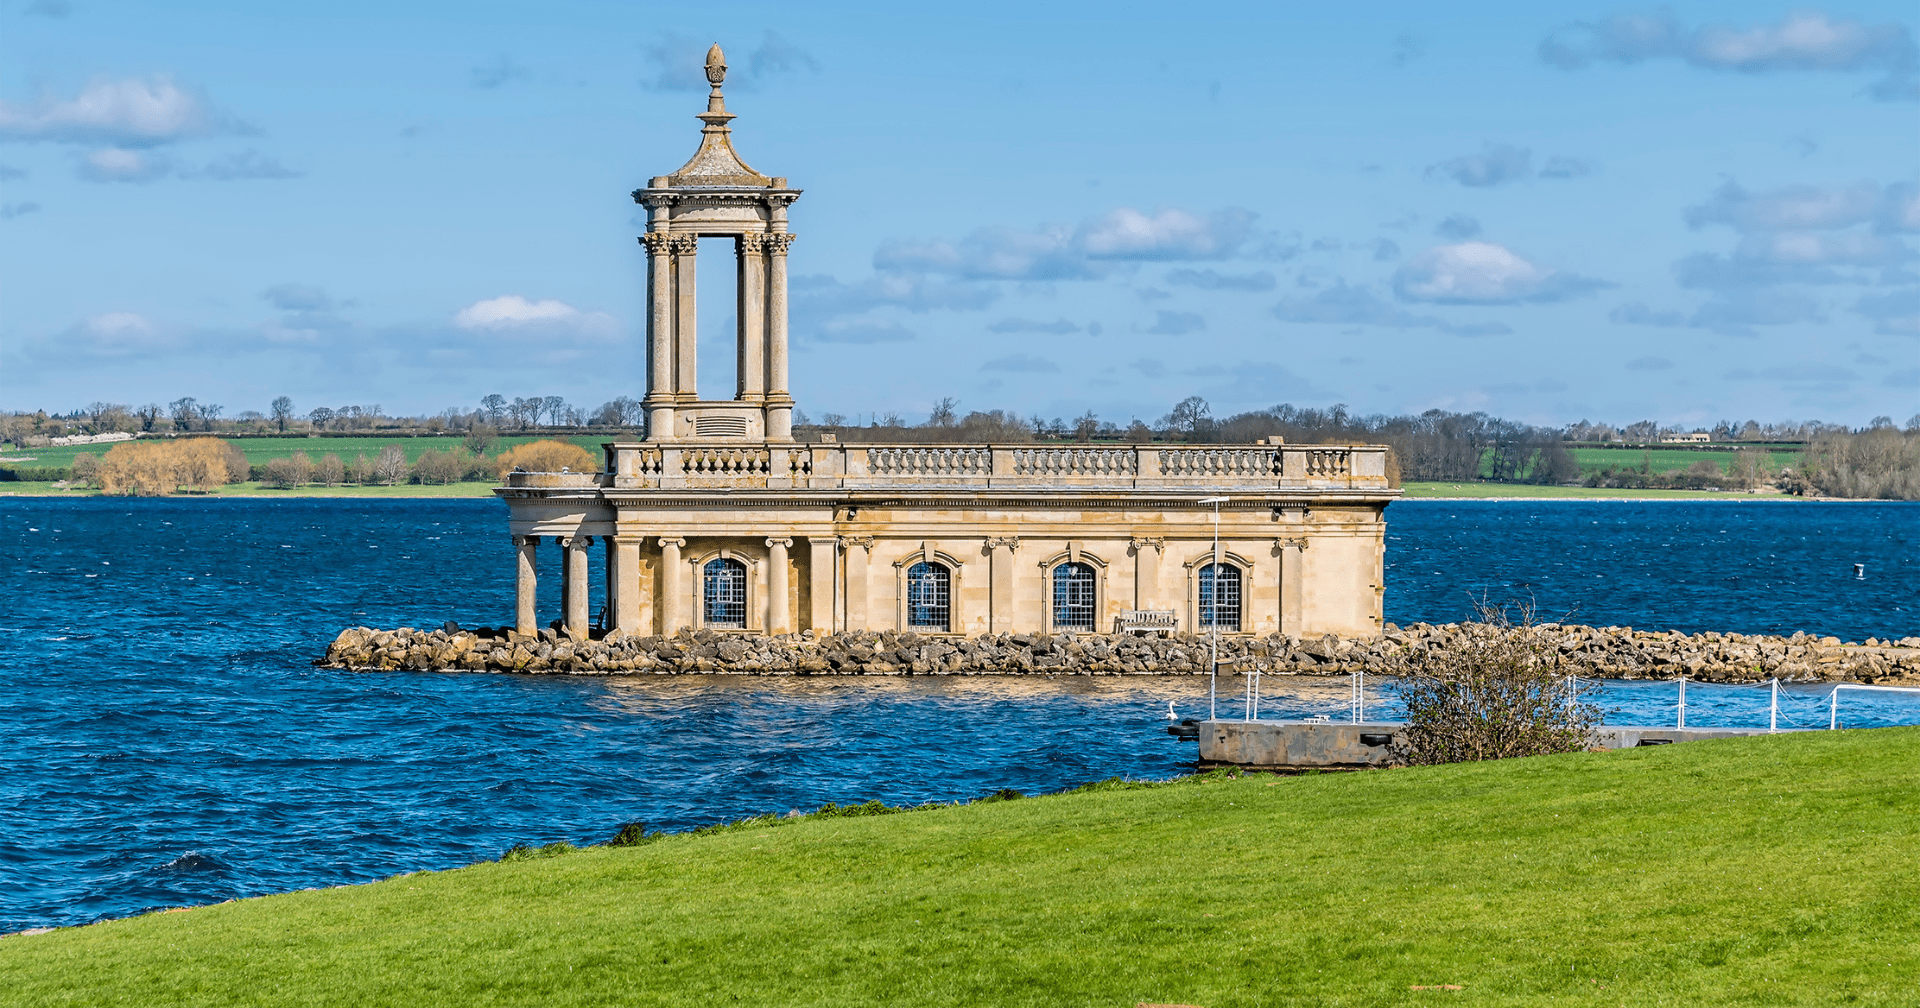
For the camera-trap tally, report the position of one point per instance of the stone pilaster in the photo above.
(623, 582)
(779, 604)
(1001, 605)
(821, 555)
(859, 555)
(1146, 572)
(673, 586)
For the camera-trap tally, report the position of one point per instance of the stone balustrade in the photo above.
(736, 465)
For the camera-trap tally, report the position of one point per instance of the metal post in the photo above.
(1833, 711)
(1773, 716)
(1683, 703)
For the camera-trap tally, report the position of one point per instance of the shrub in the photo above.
(153, 468)
(329, 470)
(1506, 691)
(86, 468)
(546, 456)
(440, 466)
(290, 472)
(361, 470)
(391, 466)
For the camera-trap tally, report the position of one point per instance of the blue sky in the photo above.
(1690, 213)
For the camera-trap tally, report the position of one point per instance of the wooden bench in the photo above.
(1160, 621)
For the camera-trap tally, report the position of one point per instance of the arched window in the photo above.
(929, 596)
(724, 593)
(1220, 597)
(1073, 596)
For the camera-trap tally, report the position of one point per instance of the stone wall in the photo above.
(1608, 652)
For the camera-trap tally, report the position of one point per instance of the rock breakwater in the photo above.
(1601, 652)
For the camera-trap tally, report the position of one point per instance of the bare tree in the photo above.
(320, 417)
(391, 467)
(943, 413)
(184, 412)
(282, 412)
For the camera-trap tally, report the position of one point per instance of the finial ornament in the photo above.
(716, 65)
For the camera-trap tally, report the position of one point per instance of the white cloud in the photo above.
(560, 323)
(113, 334)
(1022, 363)
(512, 310)
(1896, 314)
(125, 113)
(1058, 327)
(1126, 233)
(1085, 252)
(117, 164)
(1794, 207)
(1483, 273)
(1207, 279)
(1344, 304)
(1806, 40)
(1497, 164)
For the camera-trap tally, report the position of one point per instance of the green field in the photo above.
(1751, 871)
(1663, 460)
(1573, 493)
(253, 489)
(260, 451)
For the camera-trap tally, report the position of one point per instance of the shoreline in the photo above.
(475, 491)
(1589, 652)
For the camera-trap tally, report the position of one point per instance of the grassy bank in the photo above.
(256, 489)
(1761, 870)
(1476, 490)
(1449, 490)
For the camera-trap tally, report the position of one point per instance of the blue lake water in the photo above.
(168, 744)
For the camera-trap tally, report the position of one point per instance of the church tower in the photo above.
(715, 195)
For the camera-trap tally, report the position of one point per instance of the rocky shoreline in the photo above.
(1601, 652)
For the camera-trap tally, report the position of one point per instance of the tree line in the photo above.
(201, 465)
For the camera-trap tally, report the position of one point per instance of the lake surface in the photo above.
(168, 743)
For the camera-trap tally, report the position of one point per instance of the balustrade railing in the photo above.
(637, 465)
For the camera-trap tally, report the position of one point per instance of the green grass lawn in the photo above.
(1751, 871)
(1528, 490)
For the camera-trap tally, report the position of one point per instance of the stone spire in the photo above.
(715, 163)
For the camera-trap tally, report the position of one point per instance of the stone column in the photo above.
(1146, 573)
(820, 557)
(686, 328)
(623, 582)
(752, 315)
(1000, 601)
(779, 400)
(527, 548)
(673, 586)
(577, 619)
(779, 609)
(859, 552)
(660, 350)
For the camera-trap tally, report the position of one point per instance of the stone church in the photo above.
(721, 520)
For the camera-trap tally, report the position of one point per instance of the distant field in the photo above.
(1572, 493)
(260, 451)
(29, 489)
(1669, 459)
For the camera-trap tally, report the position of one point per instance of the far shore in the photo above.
(1518, 492)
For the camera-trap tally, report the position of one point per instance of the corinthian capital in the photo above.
(753, 243)
(657, 242)
(777, 243)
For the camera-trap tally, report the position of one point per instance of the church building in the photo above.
(721, 520)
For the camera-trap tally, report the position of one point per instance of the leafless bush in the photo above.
(1504, 692)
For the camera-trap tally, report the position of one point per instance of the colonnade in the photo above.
(653, 583)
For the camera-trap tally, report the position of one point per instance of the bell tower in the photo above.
(715, 195)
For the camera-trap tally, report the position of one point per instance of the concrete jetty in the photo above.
(1295, 745)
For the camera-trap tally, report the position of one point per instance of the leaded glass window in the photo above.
(929, 591)
(1073, 596)
(724, 593)
(1220, 596)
